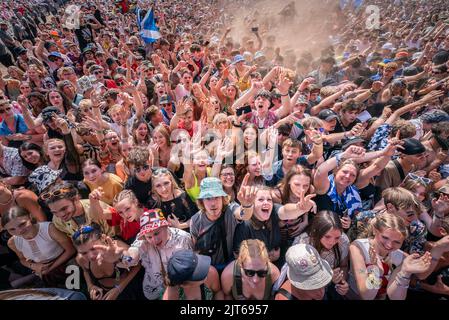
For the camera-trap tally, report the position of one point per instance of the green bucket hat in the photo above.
(211, 188)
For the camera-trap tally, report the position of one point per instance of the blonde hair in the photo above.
(125, 194)
(157, 174)
(163, 130)
(252, 249)
(220, 117)
(46, 143)
(312, 123)
(385, 221)
(85, 103)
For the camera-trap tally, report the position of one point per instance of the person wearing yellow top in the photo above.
(70, 212)
(95, 176)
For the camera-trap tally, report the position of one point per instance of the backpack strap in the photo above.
(399, 168)
(287, 294)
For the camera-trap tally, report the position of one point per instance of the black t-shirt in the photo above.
(254, 229)
(141, 189)
(182, 207)
(84, 35)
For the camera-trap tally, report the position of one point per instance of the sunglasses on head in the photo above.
(251, 273)
(82, 230)
(161, 171)
(142, 168)
(59, 192)
(423, 180)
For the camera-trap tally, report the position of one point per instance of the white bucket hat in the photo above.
(306, 269)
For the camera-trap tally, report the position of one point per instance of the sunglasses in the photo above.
(251, 273)
(98, 72)
(161, 171)
(423, 180)
(83, 230)
(5, 110)
(142, 168)
(48, 195)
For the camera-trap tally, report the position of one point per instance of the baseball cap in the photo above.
(185, 265)
(164, 99)
(151, 220)
(238, 58)
(258, 54)
(55, 54)
(211, 187)
(412, 146)
(351, 141)
(20, 50)
(440, 57)
(306, 269)
(327, 115)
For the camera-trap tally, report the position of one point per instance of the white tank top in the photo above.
(395, 258)
(42, 248)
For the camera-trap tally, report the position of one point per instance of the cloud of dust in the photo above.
(306, 28)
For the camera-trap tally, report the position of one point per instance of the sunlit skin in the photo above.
(31, 156)
(262, 104)
(55, 99)
(159, 139)
(408, 215)
(345, 177)
(213, 207)
(290, 155)
(227, 177)
(22, 227)
(249, 137)
(128, 210)
(254, 166)
(387, 241)
(143, 175)
(93, 174)
(141, 132)
(263, 205)
(200, 161)
(329, 126)
(299, 184)
(348, 117)
(56, 151)
(163, 186)
(330, 238)
(66, 209)
(112, 140)
(88, 251)
(420, 192)
(158, 238)
(254, 264)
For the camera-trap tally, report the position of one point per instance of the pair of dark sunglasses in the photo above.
(142, 168)
(251, 273)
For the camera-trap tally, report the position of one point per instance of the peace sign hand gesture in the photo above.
(306, 204)
(247, 193)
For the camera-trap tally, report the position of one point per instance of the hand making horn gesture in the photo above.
(247, 193)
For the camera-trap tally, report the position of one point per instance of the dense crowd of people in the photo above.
(200, 165)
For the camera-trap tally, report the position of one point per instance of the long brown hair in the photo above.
(323, 222)
(284, 185)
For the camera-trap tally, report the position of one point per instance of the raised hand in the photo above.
(377, 86)
(393, 144)
(174, 221)
(415, 264)
(357, 130)
(432, 96)
(96, 194)
(306, 203)
(353, 152)
(109, 252)
(257, 85)
(247, 193)
(284, 83)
